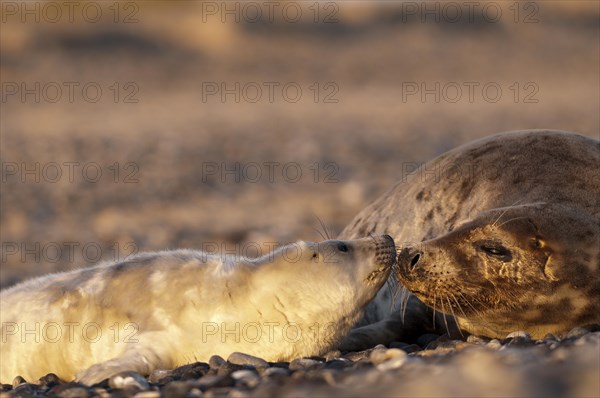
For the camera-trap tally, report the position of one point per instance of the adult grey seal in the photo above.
(502, 233)
(166, 309)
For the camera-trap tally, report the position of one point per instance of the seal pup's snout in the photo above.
(386, 250)
(409, 258)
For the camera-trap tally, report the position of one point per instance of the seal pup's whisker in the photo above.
(326, 235)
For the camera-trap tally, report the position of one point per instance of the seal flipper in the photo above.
(142, 360)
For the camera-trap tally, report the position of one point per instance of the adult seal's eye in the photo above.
(495, 250)
(342, 247)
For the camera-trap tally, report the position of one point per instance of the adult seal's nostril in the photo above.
(415, 261)
(409, 258)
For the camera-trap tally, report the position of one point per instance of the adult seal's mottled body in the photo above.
(502, 233)
(166, 309)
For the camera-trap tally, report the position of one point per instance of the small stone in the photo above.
(147, 394)
(50, 380)
(239, 358)
(246, 378)
(228, 368)
(380, 356)
(392, 364)
(276, 372)
(209, 381)
(238, 394)
(477, 339)
(519, 334)
(176, 389)
(424, 340)
(216, 361)
(127, 380)
(71, 390)
(332, 355)
(550, 337)
(18, 380)
(304, 363)
(191, 371)
(159, 376)
(519, 342)
(577, 332)
(24, 390)
(494, 344)
(98, 392)
(340, 363)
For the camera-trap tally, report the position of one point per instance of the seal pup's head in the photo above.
(322, 287)
(532, 267)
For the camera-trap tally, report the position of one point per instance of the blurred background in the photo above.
(229, 126)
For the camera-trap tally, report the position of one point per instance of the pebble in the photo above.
(191, 371)
(246, 378)
(477, 339)
(176, 389)
(494, 344)
(380, 356)
(578, 332)
(24, 390)
(519, 334)
(340, 363)
(160, 376)
(276, 372)
(147, 394)
(332, 355)
(216, 361)
(50, 380)
(304, 364)
(239, 358)
(228, 368)
(127, 380)
(18, 380)
(210, 381)
(71, 390)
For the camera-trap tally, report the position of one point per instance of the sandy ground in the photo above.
(154, 125)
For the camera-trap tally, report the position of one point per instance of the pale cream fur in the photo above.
(166, 309)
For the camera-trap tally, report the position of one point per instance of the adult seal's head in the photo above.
(502, 232)
(531, 267)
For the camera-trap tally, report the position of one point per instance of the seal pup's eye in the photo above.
(342, 247)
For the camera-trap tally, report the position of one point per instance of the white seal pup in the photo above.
(166, 309)
(503, 233)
